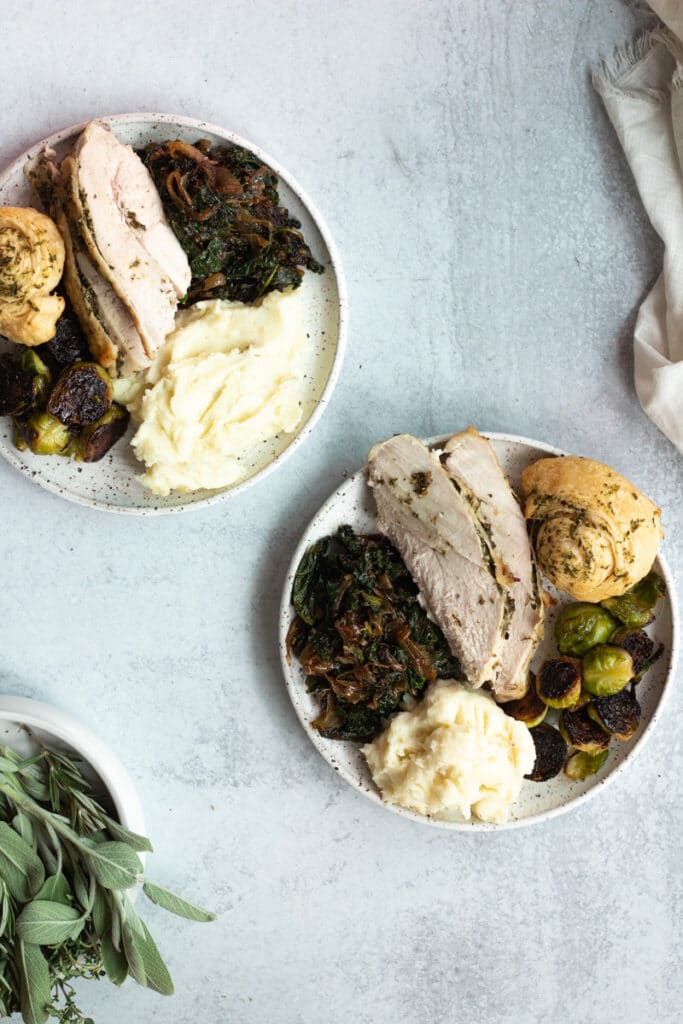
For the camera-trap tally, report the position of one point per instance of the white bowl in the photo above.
(112, 484)
(22, 718)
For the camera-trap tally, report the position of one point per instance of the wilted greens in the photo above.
(363, 640)
(66, 867)
(224, 207)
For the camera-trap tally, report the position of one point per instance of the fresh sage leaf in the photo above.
(174, 904)
(23, 826)
(136, 964)
(156, 971)
(35, 989)
(55, 889)
(20, 866)
(8, 766)
(46, 924)
(132, 917)
(114, 960)
(101, 915)
(80, 885)
(114, 865)
(124, 835)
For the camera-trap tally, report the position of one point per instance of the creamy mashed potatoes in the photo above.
(455, 754)
(225, 381)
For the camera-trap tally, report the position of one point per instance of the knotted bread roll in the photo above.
(595, 534)
(31, 265)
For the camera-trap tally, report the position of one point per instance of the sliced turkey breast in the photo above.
(471, 462)
(433, 528)
(112, 335)
(124, 228)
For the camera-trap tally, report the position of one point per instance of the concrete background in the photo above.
(496, 252)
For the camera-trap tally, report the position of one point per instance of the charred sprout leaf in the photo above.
(68, 345)
(32, 364)
(45, 434)
(641, 648)
(224, 208)
(580, 765)
(618, 715)
(95, 440)
(529, 709)
(635, 608)
(606, 670)
(82, 395)
(365, 644)
(551, 751)
(582, 626)
(579, 730)
(18, 390)
(559, 682)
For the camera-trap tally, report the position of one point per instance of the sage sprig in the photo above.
(66, 870)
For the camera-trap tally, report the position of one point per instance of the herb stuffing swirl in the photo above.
(365, 643)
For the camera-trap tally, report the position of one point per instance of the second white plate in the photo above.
(112, 483)
(353, 503)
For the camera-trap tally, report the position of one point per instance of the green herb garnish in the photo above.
(66, 867)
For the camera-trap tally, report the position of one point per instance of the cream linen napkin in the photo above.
(642, 89)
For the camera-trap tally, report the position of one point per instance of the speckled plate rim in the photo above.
(293, 689)
(195, 124)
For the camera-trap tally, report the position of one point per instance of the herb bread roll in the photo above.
(595, 534)
(31, 265)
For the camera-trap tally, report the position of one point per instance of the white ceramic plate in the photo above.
(353, 503)
(112, 483)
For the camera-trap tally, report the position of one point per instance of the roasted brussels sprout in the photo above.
(551, 751)
(639, 645)
(580, 765)
(606, 670)
(618, 715)
(579, 730)
(529, 709)
(635, 607)
(559, 682)
(45, 434)
(95, 441)
(82, 395)
(18, 390)
(32, 364)
(582, 626)
(68, 345)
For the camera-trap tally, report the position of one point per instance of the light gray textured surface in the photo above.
(496, 252)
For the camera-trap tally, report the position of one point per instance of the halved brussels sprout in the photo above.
(32, 364)
(582, 626)
(606, 670)
(579, 730)
(529, 709)
(559, 682)
(82, 395)
(45, 434)
(95, 441)
(551, 751)
(618, 715)
(640, 646)
(580, 765)
(635, 607)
